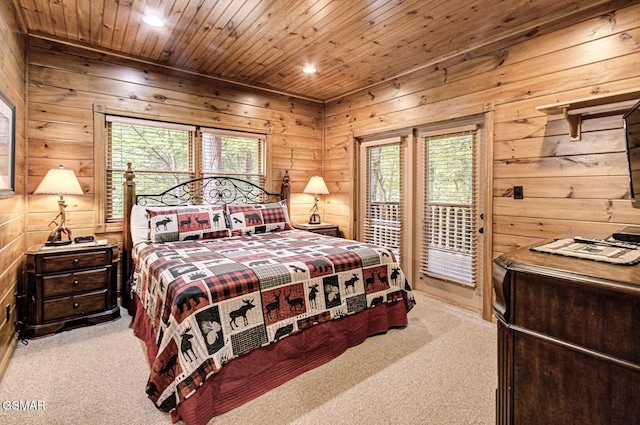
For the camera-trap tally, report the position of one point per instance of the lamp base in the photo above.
(314, 219)
(57, 243)
(55, 237)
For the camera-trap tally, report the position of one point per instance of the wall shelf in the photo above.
(574, 110)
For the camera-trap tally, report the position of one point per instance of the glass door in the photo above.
(381, 187)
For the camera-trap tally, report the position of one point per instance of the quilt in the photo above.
(211, 301)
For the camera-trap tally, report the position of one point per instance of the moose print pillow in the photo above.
(250, 219)
(187, 223)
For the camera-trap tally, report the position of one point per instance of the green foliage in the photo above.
(160, 158)
(150, 148)
(450, 169)
(230, 155)
(384, 174)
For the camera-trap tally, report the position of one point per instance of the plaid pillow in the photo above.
(250, 219)
(187, 223)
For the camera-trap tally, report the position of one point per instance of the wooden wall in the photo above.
(568, 186)
(12, 207)
(64, 82)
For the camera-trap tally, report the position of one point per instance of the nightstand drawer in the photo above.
(55, 262)
(74, 283)
(326, 229)
(78, 305)
(329, 232)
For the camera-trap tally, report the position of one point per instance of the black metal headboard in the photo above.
(212, 190)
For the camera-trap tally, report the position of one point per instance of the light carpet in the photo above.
(440, 369)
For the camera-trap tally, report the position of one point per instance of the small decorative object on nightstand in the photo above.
(326, 229)
(69, 285)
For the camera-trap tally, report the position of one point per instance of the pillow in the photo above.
(251, 219)
(140, 223)
(187, 223)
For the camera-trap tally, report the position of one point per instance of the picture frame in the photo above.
(7, 145)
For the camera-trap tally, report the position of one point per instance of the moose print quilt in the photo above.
(210, 301)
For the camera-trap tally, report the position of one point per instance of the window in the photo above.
(165, 154)
(233, 154)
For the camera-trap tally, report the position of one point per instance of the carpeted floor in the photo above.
(441, 369)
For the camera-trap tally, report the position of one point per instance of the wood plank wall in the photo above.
(568, 186)
(12, 207)
(64, 82)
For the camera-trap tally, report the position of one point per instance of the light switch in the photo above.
(518, 193)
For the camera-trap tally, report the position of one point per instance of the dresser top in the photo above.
(526, 260)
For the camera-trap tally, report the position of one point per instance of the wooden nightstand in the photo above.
(69, 286)
(322, 228)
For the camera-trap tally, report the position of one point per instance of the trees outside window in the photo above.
(165, 154)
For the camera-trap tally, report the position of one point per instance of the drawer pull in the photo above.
(76, 261)
(75, 283)
(76, 305)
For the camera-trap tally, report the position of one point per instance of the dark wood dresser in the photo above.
(568, 340)
(69, 286)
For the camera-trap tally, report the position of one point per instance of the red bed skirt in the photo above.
(259, 371)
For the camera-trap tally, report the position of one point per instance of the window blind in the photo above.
(149, 123)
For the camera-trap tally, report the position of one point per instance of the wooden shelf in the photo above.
(573, 110)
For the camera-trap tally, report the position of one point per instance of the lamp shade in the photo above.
(316, 186)
(59, 181)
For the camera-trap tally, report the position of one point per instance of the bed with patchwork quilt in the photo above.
(249, 303)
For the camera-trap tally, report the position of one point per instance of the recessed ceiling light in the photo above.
(309, 69)
(153, 20)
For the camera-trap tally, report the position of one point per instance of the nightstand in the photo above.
(326, 229)
(70, 285)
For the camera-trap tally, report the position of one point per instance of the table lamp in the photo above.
(316, 186)
(59, 181)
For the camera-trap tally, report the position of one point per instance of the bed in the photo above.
(231, 301)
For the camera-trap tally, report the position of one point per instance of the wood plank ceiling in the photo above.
(266, 43)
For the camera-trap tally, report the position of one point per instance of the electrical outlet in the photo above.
(518, 192)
